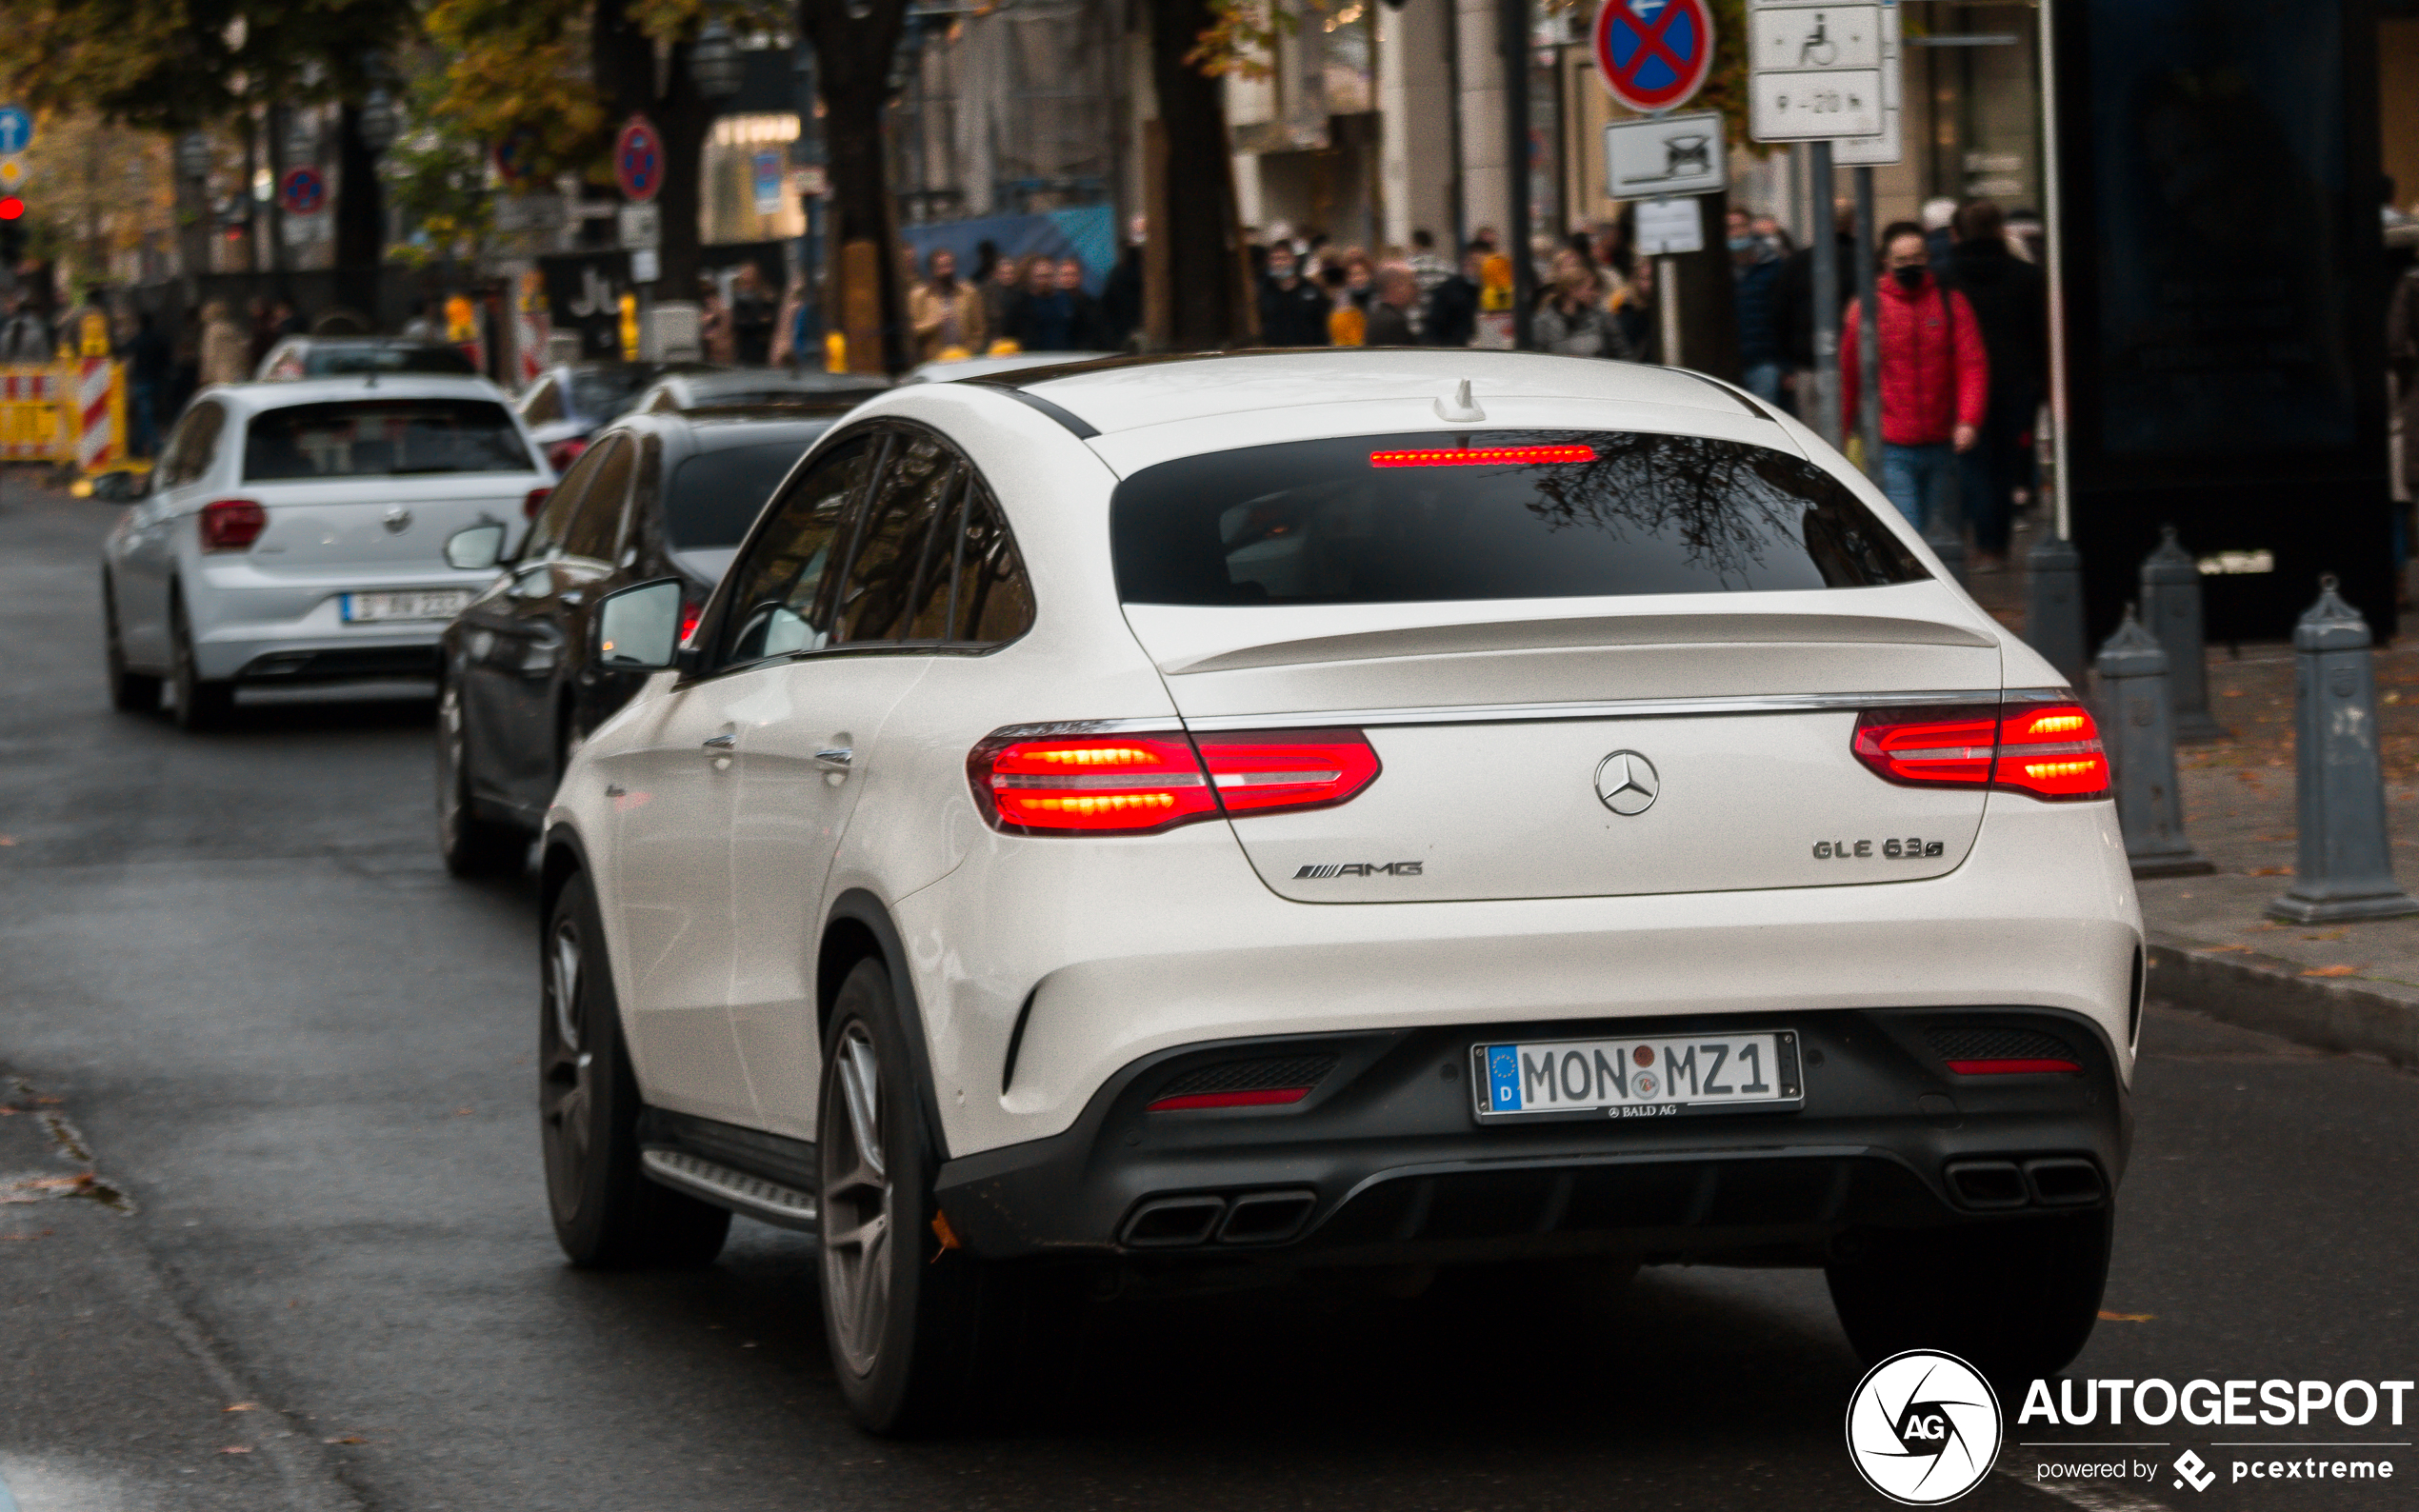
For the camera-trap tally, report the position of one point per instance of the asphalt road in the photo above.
(238, 991)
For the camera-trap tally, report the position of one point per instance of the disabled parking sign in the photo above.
(1653, 56)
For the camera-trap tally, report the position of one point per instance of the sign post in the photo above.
(1652, 57)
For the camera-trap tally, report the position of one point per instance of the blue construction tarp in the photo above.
(1089, 232)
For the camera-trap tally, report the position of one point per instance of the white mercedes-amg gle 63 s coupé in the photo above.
(1274, 812)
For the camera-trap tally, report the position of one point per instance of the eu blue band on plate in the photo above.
(1503, 1071)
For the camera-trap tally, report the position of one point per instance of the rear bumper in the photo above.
(1385, 1162)
(295, 633)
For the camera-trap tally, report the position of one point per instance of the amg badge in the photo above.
(1361, 868)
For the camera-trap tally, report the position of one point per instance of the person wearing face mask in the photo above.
(1755, 266)
(1935, 381)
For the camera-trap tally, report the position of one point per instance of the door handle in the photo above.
(721, 745)
(837, 758)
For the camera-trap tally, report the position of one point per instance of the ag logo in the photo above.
(1923, 1427)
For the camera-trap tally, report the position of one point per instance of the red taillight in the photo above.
(1265, 1097)
(2010, 1067)
(1307, 768)
(689, 614)
(536, 501)
(231, 525)
(2049, 750)
(563, 453)
(1481, 456)
(1134, 782)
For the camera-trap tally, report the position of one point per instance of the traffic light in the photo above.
(11, 231)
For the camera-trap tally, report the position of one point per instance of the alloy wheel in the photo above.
(857, 1217)
(566, 1087)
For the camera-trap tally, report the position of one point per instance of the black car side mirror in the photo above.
(638, 629)
(475, 547)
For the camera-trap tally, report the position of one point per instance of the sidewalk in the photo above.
(2353, 986)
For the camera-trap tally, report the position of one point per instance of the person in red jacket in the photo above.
(1935, 380)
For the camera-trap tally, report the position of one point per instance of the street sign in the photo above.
(639, 160)
(16, 131)
(1654, 54)
(1868, 151)
(766, 170)
(516, 155)
(1816, 72)
(810, 181)
(641, 225)
(302, 191)
(1666, 154)
(1671, 225)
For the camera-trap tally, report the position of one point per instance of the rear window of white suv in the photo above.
(1493, 514)
(383, 438)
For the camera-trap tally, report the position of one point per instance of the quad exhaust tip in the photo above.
(2048, 1181)
(1251, 1218)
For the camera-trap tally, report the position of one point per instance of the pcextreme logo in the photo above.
(1923, 1427)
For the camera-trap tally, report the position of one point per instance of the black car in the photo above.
(654, 496)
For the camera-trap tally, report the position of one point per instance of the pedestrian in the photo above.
(420, 328)
(1002, 292)
(1633, 313)
(1390, 311)
(226, 348)
(1293, 312)
(1571, 318)
(149, 370)
(944, 315)
(1087, 328)
(285, 321)
(1939, 215)
(1770, 228)
(714, 335)
(787, 350)
(751, 316)
(1756, 268)
(1360, 277)
(1045, 318)
(1345, 325)
(1429, 268)
(1121, 297)
(1935, 380)
(25, 336)
(1452, 307)
(2010, 301)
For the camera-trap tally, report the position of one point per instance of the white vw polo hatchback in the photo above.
(1276, 810)
(295, 532)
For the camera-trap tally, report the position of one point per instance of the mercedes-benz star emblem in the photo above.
(1626, 783)
(398, 520)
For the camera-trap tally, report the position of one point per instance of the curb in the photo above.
(2266, 993)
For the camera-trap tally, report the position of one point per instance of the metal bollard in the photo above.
(2135, 723)
(2053, 606)
(2346, 867)
(2171, 612)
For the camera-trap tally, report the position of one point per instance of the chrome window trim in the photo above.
(1618, 709)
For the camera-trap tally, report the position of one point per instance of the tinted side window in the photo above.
(994, 598)
(196, 443)
(554, 520)
(776, 603)
(893, 556)
(596, 527)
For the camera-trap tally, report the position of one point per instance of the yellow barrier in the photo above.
(33, 427)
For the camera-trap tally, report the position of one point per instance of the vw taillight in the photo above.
(231, 525)
(536, 501)
(2048, 749)
(1129, 783)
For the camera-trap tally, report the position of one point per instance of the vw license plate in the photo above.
(1647, 1078)
(402, 603)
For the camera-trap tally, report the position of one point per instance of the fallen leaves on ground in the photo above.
(2332, 971)
(241, 1406)
(237, 1448)
(23, 1239)
(2269, 872)
(2331, 934)
(35, 1188)
(2210, 950)
(2106, 1316)
(350, 1438)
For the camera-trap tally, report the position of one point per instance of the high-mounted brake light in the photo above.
(231, 525)
(2048, 750)
(1481, 456)
(1129, 783)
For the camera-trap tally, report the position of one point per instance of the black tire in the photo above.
(2016, 1299)
(201, 704)
(607, 1214)
(472, 846)
(915, 1330)
(129, 693)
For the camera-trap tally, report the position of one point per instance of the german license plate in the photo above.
(404, 603)
(1659, 1077)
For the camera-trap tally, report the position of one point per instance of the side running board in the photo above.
(749, 1196)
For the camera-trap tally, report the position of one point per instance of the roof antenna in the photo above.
(1460, 406)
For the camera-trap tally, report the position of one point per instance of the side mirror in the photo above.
(477, 547)
(638, 629)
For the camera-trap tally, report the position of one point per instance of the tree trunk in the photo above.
(621, 58)
(852, 71)
(1193, 212)
(361, 213)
